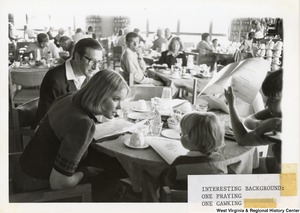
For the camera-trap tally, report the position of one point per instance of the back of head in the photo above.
(61, 31)
(78, 30)
(204, 36)
(98, 89)
(42, 37)
(130, 36)
(85, 43)
(90, 29)
(159, 32)
(136, 30)
(272, 84)
(203, 130)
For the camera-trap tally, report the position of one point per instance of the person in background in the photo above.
(206, 55)
(267, 120)
(78, 35)
(61, 32)
(46, 49)
(174, 52)
(90, 32)
(50, 33)
(168, 34)
(257, 29)
(132, 61)
(71, 75)
(215, 46)
(59, 154)
(67, 45)
(121, 40)
(160, 43)
(246, 46)
(202, 134)
(29, 33)
(137, 31)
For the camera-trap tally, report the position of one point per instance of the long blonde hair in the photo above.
(205, 130)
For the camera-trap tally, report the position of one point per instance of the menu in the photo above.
(244, 77)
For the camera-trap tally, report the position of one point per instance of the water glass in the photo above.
(155, 129)
(167, 93)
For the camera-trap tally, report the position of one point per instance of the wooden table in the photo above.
(186, 84)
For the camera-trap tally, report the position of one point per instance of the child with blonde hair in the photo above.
(203, 135)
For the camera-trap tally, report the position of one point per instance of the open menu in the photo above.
(114, 128)
(168, 149)
(245, 78)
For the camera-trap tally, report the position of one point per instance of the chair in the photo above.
(23, 117)
(79, 193)
(117, 52)
(146, 92)
(127, 76)
(24, 85)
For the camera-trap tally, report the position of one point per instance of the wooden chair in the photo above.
(23, 117)
(24, 85)
(117, 52)
(79, 193)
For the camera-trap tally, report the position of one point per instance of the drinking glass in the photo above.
(166, 93)
(155, 129)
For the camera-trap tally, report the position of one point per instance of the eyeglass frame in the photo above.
(94, 62)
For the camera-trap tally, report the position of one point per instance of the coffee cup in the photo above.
(276, 61)
(17, 64)
(276, 53)
(271, 45)
(278, 45)
(269, 53)
(274, 67)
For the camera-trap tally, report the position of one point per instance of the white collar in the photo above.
(69, 71)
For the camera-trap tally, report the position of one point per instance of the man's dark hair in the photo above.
(272, 84)
(85, 43)
(131, 35)
(42, 37)
(204, 36)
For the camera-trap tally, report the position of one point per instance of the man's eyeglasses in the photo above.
(93, 63)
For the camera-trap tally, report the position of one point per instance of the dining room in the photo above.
(206, 87)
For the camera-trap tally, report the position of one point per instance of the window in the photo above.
(156, 22)
(190, 24)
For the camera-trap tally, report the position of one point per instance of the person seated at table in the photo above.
(206, 55)
(215, 46)
(168, 34)
(50, 33)
(67, 45)
(46, 49)
(267, 120)
(132, 62)
(246, 46)
(71, 75)
(174, 52)
(137, 31)
(159, 44)
(91, 32)
(203, 135)
(61, 32)
(78, 35)
(59, 154)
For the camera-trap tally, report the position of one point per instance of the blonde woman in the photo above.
(59, 155)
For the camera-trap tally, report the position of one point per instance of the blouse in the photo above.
(168, 58)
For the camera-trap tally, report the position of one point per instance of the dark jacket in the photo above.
(170, 59)
(54, 84)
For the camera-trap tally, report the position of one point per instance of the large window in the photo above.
(163, 22)
(190, 24)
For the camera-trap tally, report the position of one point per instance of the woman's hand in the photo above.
(229, 96)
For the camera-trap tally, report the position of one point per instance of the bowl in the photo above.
(172, 124)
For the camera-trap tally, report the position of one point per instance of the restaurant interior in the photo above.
(233, 41)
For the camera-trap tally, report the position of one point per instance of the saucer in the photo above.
(127, 143)
(140, 110)
(171, 133)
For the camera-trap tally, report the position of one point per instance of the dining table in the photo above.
(240, 159)
(185, 81)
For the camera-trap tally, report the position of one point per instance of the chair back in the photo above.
(27, 78)
(24, 85)
(146, 92)
(117, 52)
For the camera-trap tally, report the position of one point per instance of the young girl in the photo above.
(202, 134)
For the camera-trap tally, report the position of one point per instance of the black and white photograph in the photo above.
(117, 105)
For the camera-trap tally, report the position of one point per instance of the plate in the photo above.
(140, 110)
(139, 116)
(186, 76)
(170, 133)
(126, 142)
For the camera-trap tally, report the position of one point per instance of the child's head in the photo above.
(202, 132)
(272, 89)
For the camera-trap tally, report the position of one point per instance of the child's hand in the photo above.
(269, 125)
(229, 96)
